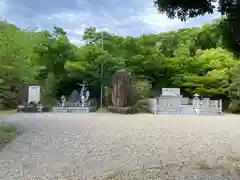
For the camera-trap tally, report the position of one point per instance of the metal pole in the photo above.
(101, 96)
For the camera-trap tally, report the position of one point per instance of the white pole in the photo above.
(101, 96)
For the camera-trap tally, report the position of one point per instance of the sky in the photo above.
(125, 17)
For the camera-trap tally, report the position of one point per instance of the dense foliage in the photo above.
(229, 9)
(193, 59)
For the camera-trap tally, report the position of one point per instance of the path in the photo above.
(66, 146)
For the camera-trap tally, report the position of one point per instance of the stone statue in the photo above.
(63, 100)
(84, 94)
(74, 98)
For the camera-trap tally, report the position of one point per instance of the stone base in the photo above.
(73, 109)
(120, 110)
(32, 109)
(59, 109)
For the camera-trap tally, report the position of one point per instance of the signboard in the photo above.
(34, 94)
(170, 91)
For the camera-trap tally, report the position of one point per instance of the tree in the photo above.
(211, 75)
(230, 9)
(53, 52)
(17, 59)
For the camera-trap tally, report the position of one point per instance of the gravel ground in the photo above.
(108, 146)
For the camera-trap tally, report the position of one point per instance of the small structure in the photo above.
(172, 102)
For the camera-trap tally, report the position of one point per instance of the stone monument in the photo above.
(121, 92)
(33, 102)
(34, 94)
(120, 88)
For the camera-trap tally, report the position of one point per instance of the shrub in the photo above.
(49, 90)
(101, 110)
(142, 88)
(141, 107)
(234, 106)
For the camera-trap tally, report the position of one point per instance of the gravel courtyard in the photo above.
(108, 146)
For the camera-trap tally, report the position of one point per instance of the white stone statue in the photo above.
(63, 101)
(84, 95)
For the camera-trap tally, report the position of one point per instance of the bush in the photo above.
(141, 107)
(234, 106)
(102, 110)
(49, 90)
(142, 88)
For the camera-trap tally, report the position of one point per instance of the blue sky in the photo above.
(125, 17)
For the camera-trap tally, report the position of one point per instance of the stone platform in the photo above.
(73, 109)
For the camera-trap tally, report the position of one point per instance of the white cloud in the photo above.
(76, 22)
(3, 8)
(125, 19)
(160, 22)
(77, 31)
(70, 17)
(157, 22)
(77, 41)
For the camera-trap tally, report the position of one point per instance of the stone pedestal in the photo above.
(79, 109)
(59, 109)
(73, 109)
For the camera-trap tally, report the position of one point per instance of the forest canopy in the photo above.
(193, 59)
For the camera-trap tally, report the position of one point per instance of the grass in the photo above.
(102, 110)
(7, 133)
(6, 112)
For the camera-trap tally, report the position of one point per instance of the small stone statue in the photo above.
(63, 100)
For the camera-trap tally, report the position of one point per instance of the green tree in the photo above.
(184, 9)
